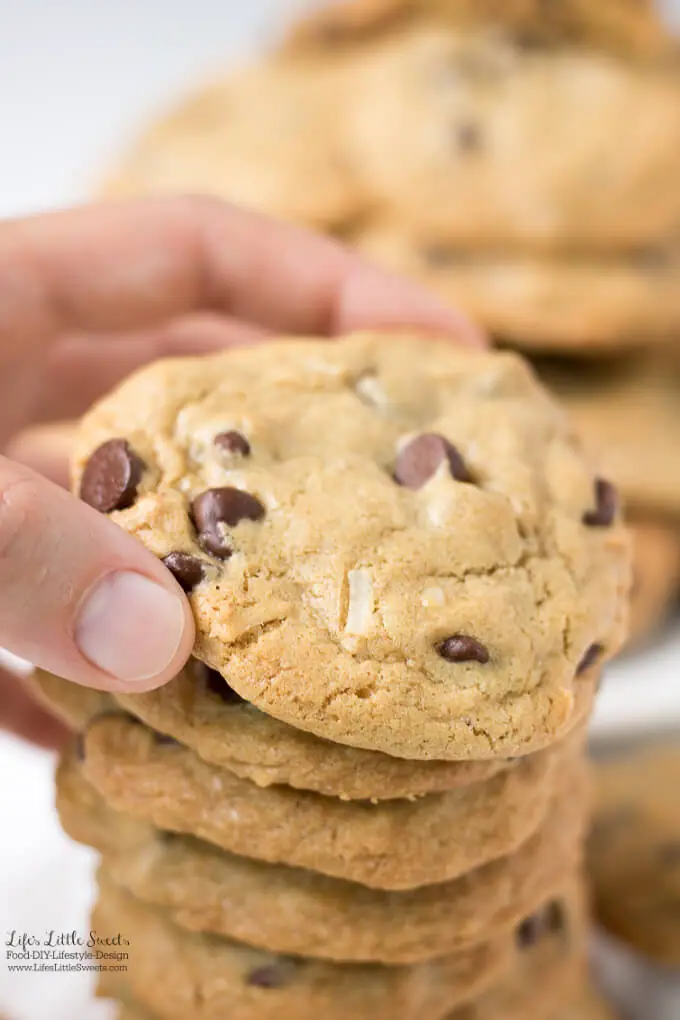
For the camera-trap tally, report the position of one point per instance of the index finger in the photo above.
(130, 265)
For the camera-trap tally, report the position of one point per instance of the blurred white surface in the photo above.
(76, 79)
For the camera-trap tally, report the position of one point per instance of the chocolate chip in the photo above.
(187, 569)
(111, 477)
(529, 931)
(79, 747)
(233, 443)
(469, 137)
(216, 683)
(549, 920)
(226, 506)
(419, 459)
(589, 658)
(606, 505)
(461, 648)
(273, 975)
(555, 917)
(164, 739)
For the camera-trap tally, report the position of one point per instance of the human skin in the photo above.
(87, 296)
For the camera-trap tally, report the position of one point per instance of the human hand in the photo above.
(85, 297)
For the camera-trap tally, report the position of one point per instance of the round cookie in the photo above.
(440, 127)
(633, 27)
(201, 711)
(656, 576)
(634, 851)
(261, 137)
(397, 844)
(177, 974)
(581, 302)
(413, 556)
(550, 951)
(207, 890)
(628, 415)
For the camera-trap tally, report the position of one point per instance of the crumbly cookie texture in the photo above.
(634, 851)
(287, 910)
(254, 138)
(178, 974)
(201, 711)
(628, 415)
(395, 844)
(583, 302)
(441, 126)
(656, 577)
(169, 966)
(633, 27)
(387, 541)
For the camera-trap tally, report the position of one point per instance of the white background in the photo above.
(76, 77)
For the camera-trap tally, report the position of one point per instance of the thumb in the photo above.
(80, 597)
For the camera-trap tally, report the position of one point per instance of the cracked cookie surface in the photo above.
(288, 910)
(412, 557)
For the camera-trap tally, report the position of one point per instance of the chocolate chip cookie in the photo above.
(412, 556)
(395, 844)
(254, 138)
(633, 27)
(287, 910)
(176, 973)
(628, 414)
(442, 127)
(189, 963)
(656, 576)
(634, 851)
(579, 302)
(201, 711)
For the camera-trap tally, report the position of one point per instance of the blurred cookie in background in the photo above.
(634, 851)
(656, 577)
(633, 27)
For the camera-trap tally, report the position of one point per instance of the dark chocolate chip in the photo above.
(227, 507)
(187, 569)
(606, 505)
(555, 915)
(216, 683)
(469, 137)
(79, 747)
(273, 975)
(549, 920)
(461, 648)
(165, 739)
(529, 931)
(233, 443)
(589, 658)
(111, 477)
(418, 461)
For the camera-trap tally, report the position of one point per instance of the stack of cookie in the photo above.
(367, 794)
(520, 158)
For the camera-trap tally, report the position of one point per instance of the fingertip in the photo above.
(376, 299)
(135, 631)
